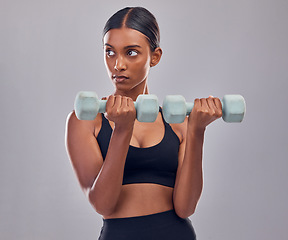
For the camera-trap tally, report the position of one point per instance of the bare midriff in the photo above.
(140, 199)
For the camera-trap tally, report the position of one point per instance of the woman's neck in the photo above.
(135, 92)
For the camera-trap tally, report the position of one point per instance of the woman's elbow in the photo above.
(101, 207)
(102, 210)
(184, 213)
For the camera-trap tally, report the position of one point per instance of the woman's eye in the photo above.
(110, 53)
(132, 53)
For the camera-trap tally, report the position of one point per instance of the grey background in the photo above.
(50, 50)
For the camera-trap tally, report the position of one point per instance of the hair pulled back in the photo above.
(137, 18)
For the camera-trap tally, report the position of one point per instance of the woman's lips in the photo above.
(120, 78)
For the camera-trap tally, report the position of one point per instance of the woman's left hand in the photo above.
(204, 112)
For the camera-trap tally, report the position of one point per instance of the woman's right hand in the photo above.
(120, 110)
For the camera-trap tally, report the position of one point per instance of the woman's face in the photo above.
(127, 57)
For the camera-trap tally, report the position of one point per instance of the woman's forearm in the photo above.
(106, 189)
(189, 181)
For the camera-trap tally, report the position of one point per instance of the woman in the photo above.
(145, 179)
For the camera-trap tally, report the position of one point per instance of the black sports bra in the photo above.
(157, 164)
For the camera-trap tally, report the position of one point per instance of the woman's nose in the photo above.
(120, 64)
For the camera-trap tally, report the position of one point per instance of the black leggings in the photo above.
(164, 225)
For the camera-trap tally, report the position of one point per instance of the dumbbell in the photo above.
(87, 106)
(175, 108)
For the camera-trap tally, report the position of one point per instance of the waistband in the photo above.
(160, 219)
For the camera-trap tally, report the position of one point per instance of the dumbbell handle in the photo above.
(102, 106)
(190, 105)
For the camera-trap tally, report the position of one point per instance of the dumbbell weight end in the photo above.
(233, 108)
(87, 105)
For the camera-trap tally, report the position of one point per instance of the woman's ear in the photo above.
(156, 56)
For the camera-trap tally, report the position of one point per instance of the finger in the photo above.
(104, 98)
(124, 102)
(197, 103)
(217, 107)
(218, 104)
(130, 102)
(211, 104)
(110, 102)
(204, 104)
(117, 102)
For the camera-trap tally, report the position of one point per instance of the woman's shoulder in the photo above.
(93, 126)
(180, 129)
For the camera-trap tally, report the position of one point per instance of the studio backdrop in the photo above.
(50, 50)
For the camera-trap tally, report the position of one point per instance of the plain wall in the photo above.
(50, 50)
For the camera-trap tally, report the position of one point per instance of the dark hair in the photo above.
(137, 18)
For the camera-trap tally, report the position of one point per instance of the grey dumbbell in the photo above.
(87, 106)
(175, 108)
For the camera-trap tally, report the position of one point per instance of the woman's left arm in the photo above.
(189, 177)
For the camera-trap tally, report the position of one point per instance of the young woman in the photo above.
(145, 179)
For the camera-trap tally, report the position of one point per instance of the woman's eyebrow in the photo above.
(132, 46)
(107, 44)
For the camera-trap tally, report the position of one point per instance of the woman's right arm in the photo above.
(101, 180)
